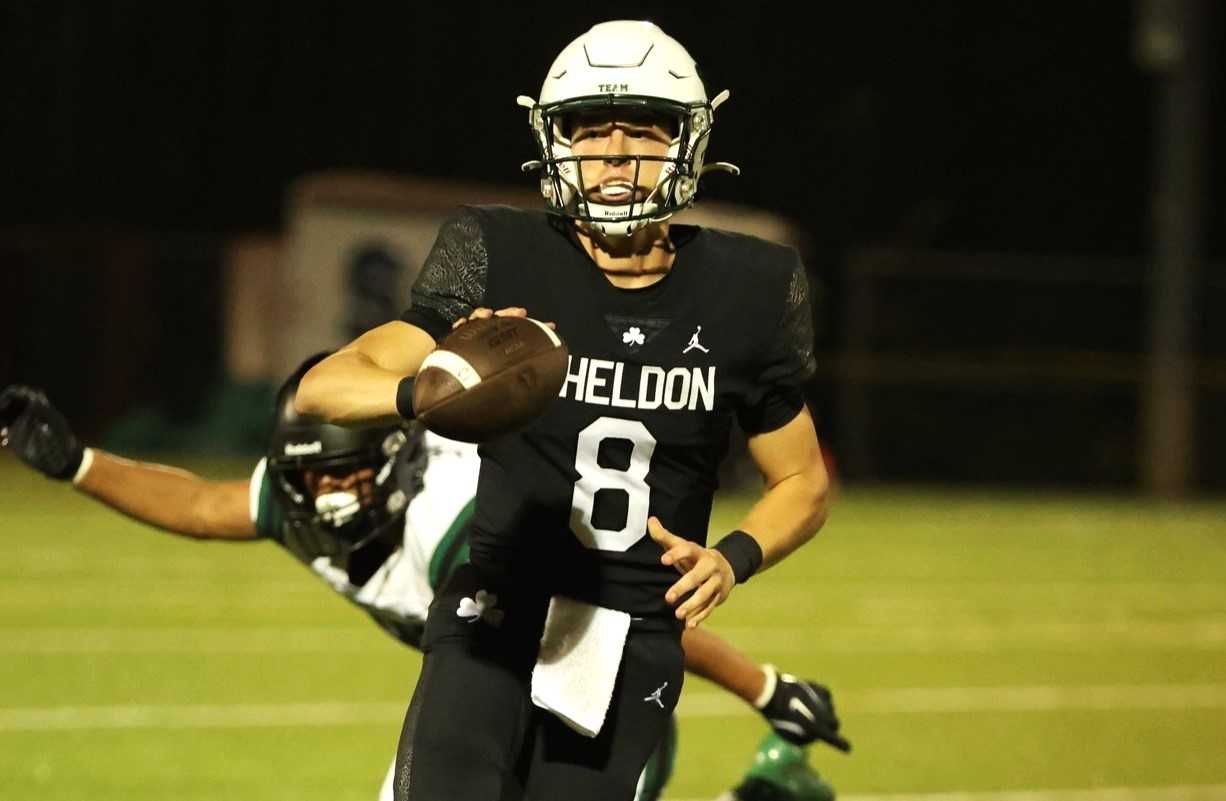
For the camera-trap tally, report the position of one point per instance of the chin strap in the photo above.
(720, 166)
(530, 104)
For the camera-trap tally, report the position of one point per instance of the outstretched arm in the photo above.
(171, 499)
(168, 498)
(712, 657)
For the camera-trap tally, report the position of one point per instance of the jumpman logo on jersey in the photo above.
(655, 696)
(694, 343)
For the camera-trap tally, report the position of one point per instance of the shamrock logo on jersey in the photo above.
(481, 607)
(635, 332)
(634, 336)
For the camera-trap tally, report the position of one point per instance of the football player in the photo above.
(675, 333)
(379, 514)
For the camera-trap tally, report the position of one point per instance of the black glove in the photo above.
(802, 711)
(40, 435)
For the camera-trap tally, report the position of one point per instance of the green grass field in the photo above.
(975, 642)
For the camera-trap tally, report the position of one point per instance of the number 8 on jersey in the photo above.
(593, 478)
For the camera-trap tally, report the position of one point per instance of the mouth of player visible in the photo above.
(615, 191)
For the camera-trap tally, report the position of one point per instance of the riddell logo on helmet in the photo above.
(303, 449)
(614, 87)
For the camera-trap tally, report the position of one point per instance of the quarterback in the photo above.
(583, 519)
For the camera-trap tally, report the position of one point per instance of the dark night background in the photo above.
(148, 134)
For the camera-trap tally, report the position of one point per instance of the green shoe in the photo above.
(780, 772)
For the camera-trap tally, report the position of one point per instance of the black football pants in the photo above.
(473, 734)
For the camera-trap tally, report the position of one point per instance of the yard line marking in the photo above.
(199, 716)
(1207, 633)
(923, 637)
(1187, 792)
(913, 700)
(1179, 792)
(192, 640)
(1043, 698)
(695, 705)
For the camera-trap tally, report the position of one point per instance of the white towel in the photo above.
(581, 651)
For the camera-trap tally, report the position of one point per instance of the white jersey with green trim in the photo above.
(399, 592)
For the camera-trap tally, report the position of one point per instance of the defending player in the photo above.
(674, 332)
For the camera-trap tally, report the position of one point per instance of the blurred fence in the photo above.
(1007, 367)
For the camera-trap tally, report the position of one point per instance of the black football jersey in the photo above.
(655, 379)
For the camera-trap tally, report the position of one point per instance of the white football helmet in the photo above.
(632, 65)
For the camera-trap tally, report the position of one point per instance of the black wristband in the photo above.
(742, 552)
(404, 398)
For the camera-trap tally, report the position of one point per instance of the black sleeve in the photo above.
(452, 281)
(787, 360)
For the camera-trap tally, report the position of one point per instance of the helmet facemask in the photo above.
(341, 522)
(562, 180)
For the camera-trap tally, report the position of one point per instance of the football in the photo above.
(489, 377)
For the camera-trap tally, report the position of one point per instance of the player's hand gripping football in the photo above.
(706, 576)
(40, 435)
(483, 313)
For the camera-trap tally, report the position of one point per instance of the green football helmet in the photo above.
(780, 772)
